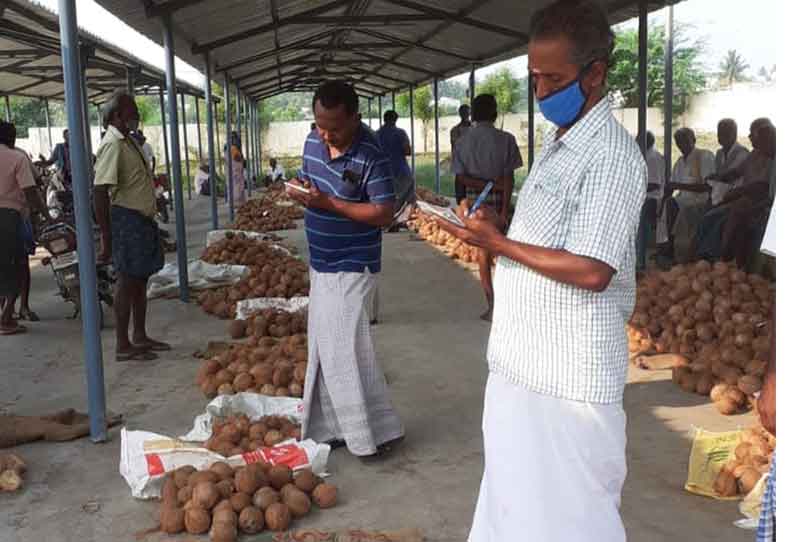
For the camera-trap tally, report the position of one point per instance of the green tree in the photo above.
(733, 68)
(505, 88)
(149, 110)
(423, 106)
(689, 74)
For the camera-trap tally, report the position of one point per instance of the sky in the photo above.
(722, 22)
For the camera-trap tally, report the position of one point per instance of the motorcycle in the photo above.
(162, 192)
(60, 240)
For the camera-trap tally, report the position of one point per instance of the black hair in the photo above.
(334, 93)
(8, 134)
(583, 22)
(464, 108)
(390, 116)
(483, 108)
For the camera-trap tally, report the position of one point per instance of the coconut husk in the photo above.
(352, 535)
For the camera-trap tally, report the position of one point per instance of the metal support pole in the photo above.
(238, 109)
(210, 138)
(393, 102)
(413, 135)
(472, 84)
(257, 142)
(187, 150)
(176, 167)
(229, 191)
(369, 111)
(198, 130)
(84, 112)
(8, 108)
(98, 117)
(530, 122)
(165, 134)
(438, 150)
(248, 147)
(89, 299)
(642, 87)
(130, 82)
(380, 111)
(49, 123)
(218, 152)
(668, 94)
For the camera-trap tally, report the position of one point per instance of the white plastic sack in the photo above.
(253, 405)
(146, 458)
(247, 307)
(201, 275)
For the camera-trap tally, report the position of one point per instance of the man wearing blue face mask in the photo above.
(564, 289)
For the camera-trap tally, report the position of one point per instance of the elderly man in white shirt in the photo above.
(564, 290)
(691, 196)
(730, 156)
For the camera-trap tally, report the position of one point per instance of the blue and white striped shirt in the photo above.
(362, 175)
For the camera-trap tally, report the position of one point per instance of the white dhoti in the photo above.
(554, 468)
(345, 395)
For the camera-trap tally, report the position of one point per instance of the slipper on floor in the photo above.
(13, 330)
(154, 346)
(136, 355)
(29, 316)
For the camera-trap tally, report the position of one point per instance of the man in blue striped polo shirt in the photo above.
(348, 193)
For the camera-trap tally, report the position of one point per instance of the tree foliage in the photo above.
(733, 68)
(423, 106)
(505, 87)
(689, 74)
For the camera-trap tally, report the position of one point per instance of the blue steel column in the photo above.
(642, 87)
(176, 168)
(238, 110)
(257, 140)
(413, 137)
(48, 121)
(530, 121)
(472, 84)
(210, 138)
(229, 192)
(89, 299)
(8, 109)
(248, 170)
(187, 150)
(198, 131)
(369, 112)
(380, 111)
(438, 150)
(165, 137)
(668, 95)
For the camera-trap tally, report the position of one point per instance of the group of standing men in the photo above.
(563, 288)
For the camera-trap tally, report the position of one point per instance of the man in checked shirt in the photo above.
(564, 290)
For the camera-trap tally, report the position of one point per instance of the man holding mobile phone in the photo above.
(564, 289)
(348, 193)
(486, 154)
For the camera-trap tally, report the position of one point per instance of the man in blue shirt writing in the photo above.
(348, 193)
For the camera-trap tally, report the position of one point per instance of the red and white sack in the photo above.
(147, 457)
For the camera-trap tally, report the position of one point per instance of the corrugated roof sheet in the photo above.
(270, 46)
(30, 59)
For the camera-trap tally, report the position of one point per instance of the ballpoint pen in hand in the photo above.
(480, 199)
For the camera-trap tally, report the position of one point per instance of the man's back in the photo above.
(15, 176)
(393, 142)
(485, 152)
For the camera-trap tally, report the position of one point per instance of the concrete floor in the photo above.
(431, 345)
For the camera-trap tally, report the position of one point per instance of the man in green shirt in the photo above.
(125, 208)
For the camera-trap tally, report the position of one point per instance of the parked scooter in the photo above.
(162, 193)
(60, 240)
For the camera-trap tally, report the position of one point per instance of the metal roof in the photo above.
(30, 59)
(275, 46)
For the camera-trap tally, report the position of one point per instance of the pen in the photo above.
(480, 198)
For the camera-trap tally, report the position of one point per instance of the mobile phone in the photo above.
(480, 198)
(297, 187)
